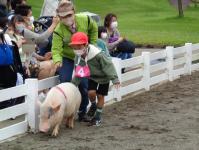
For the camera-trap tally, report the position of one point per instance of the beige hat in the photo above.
(65, 8)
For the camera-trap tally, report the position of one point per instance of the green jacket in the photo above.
(61, 38)
(101, 67)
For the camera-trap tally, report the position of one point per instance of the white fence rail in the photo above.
(146, 70)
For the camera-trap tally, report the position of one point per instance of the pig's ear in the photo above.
(56, 108)
(52, 111)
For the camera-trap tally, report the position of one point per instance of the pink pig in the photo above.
(62, 101)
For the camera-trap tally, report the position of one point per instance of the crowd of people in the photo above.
(81, 52)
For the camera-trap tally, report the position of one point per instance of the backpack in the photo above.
(126, 47)
(41, 25)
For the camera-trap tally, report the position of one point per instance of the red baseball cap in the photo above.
(79, 38)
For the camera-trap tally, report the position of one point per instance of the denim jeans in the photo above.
(122, 55)
(65, 75)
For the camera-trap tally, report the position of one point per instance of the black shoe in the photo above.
(95, 122)
(82, 117)
(92, 110)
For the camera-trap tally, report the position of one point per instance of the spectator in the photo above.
(26, 12)
(114, 38)
(102, 39)
(46, 66)
(21, 28)
(62, 53)
(13, 4)
(3, 9)
(8, 74)
(96, 66)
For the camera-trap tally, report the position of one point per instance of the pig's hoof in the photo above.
(71, 127)
(54, 133)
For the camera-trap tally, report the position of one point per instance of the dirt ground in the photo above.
(165, 118)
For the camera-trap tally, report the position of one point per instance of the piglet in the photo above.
(61, 102)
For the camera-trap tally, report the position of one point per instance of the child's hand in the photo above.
(117, 85)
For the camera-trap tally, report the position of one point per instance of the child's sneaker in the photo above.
(95, 122)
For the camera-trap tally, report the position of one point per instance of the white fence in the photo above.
(146, 70)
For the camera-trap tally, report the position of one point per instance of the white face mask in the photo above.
(79, 52)
(20, 28)
(32, 19)
(104, 35)
(114, 24)
(69, 21)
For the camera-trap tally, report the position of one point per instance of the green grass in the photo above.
(152, 22)
(36, 6)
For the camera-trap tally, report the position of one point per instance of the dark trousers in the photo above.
(65, 75)
(8, 78)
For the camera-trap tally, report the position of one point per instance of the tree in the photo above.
(180, 5)
(180, 9)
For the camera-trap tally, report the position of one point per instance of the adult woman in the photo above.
(114, 38)
(8, 72)
(21, 29)
(8, 75)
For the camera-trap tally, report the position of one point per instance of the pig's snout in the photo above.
(44, 127)
(44, 130)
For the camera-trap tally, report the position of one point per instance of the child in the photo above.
(102, 39)
(93, 64)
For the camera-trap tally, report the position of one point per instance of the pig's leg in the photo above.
(55, 130)
(67, 122)
(71, 121)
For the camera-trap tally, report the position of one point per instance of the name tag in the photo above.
(82, 71)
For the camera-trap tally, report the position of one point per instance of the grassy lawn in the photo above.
(151, 22)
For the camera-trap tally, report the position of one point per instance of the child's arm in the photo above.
(108, 68)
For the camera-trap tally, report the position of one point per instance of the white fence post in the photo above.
(170, 63)
(117, 64)
(146, 70)
(188, 58)
(33, 109)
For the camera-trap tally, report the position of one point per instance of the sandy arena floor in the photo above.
(165, 118)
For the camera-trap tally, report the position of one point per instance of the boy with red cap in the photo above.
(93, 64)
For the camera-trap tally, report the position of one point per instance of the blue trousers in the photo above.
(122, 55)
(65, 75)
